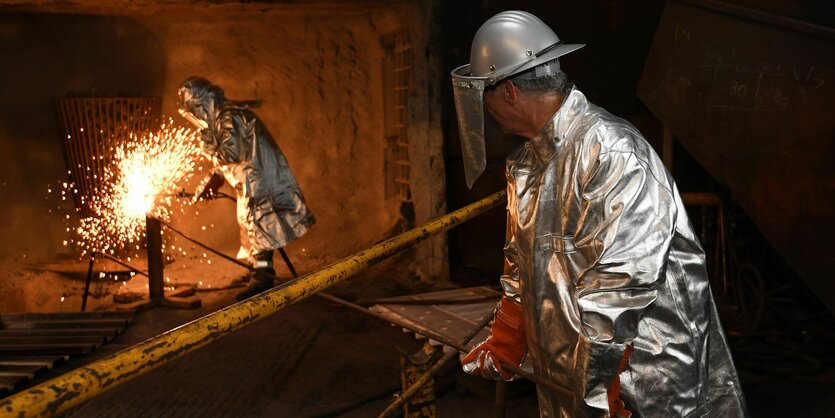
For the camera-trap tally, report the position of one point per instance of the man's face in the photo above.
(497, 105)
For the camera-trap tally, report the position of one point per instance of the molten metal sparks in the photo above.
(141, 180)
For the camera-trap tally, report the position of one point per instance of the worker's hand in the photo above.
(506, 344)
(208, 187)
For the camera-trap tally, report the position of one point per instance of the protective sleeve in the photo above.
(222, 141)
(627, 222)
(510, 278)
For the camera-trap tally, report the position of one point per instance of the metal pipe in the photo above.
(87, 282)
(153, 240)
(287, 261)
(75, 387)
(428, 333)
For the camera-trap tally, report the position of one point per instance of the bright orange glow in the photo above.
(142, 179)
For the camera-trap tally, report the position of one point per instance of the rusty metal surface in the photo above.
(30, 343)
(447, 318)
(71, 389)
(750, 96)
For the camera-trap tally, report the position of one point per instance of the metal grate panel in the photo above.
(89, 128)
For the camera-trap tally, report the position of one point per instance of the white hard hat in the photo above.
(513, 42)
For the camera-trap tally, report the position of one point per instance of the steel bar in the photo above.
(287, 261)
(428, 333)
(153, 239)
(472, 300)
(118, 261)
(87, 282)
(75, 387)
(407, 394)
(206, 247)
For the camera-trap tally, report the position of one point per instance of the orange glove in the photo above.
(616, 406)
(506, 344)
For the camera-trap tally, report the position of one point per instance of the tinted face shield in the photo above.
(469, 107)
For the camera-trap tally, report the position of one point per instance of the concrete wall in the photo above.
(317, 70)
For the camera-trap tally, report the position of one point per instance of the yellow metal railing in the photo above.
(75, 387)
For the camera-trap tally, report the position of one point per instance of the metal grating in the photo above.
(449, 313)
(32, 343)
(89, 129)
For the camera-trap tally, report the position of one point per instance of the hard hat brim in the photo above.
(551, 55)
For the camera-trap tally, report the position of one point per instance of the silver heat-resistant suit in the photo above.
(603, 255)
(271, 210)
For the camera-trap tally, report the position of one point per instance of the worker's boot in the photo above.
(259, 283)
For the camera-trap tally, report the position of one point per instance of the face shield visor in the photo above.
(469, 107)
(199, 100)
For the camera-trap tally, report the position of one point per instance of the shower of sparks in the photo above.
(141, 179)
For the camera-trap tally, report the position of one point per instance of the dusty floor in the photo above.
(313, 359)
(310, 360)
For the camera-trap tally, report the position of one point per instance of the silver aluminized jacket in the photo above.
(602, 255)
(271, 208)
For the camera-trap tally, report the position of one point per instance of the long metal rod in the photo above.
(207, 248)
(287, 262)
(118, 261)
(75, 387)
(87, 282)
(428, 333)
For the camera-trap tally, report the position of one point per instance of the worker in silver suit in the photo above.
(606, 291)
(271, 209)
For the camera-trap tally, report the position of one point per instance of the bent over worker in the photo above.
(271, 209)
(607, 290)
